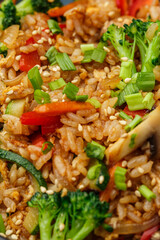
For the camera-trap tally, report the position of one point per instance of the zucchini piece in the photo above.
(30, 222)
(16, 107)
(2, 227)
(15, 158)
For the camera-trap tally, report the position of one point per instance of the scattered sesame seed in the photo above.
(61, 227)
(50, 192)
(39, 30)
(40, 41)
(44, 39)
(112, 117)
(80, 128)
(102, 95)
(120, 19)
(44, 88)
(43, 189)
(137, 193)
(81, 186)
(43, 58)
(18, 222)
(10, 92)
(153, 182)
(125, 59)
(8, 210)
(64, 192)
(50, 41)
(106, 49)
(73, 179)
(124, 163)
(111, 14)
(122, 122)
(140, 170)
(35, 45)
(101, 179)
(14, 236)
(55, 100)
(127, 80)
(34, 32)
(47, 31)
(74, 81)
(106, 69)
(109, 110)
(46, 74)
(129, 183)
(124, 135)
(9, 232)
(18, 57)
(7, 100)
(117, 114)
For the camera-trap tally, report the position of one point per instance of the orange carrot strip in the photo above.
(57, 12)
(58, 108)
(105, 195)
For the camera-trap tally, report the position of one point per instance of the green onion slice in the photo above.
(59, 83)
(93, 171)
(120, 178)
(41, 97)
(87, 57)
(121, 85)
(46, 147)
(146, 192)
(65, 62)
(95, 150)
(81, 98)
(148, 101)
(3, 49)
(129, 89)
(124, 115)
(70, 90)
(86, 47)
(137, 120)
(35, 78)
(51, 55)
(94, 102)
(99, 55)
(135, 101)
(132, 141)
(54, 26)
(2, 226)
(146, 81)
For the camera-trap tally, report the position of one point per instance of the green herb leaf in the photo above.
(65, 62)
(35, 78)
(59, 83)
(41, 97)
(51, 55)
(54, 26)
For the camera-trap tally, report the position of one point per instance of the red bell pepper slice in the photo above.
(137, 5)
(29, 60)
(148, 233)
(51, 128)
(141, 113)
(30, 41)
(123, 6)
(37, 140)
(62, 25)
(33, 118)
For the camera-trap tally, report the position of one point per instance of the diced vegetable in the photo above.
(46, 147)
(137, 120)
(16, 107)
(124, 115)
(46, 129)
(59, 83)
(137, 5)
(30, 41)
(87, 57)
(70, 90)
(120, 178)
(30, 222)
(149, 101)
(41, 97)
(95, 150)
(65, 62)
(135, 101)
(121, 85)
(129, 89)
(98, 55)
(94, 102)
(54, 26)
(35, 78)
(15, 158)
(2, 226)
(132, 141)
(81, 98)
(145, 81)
(51, 55)
(123, 6)
(37, 140)
(3, 49)
(86, 47)
(146, 192)
(28, 61)
(141, 113)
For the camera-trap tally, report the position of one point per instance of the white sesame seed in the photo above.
(18, 57)
(120, 19)
(124, 163)
(117, 114)
(34, 32)
(106, 49)
(73, 179)
(46, 74)
(111, 14)
(140, 170)
(44, 39)
(129, 183)
(64, 192)
(39, 30)
(9, 232)
(153, 182)
(44, 88)
(55, 100)
(105, 112)
(122, 122)
(14, 236)
(8, 210)
(43, 189)
(40, 41)
(124, 135)
(35, 45)
(61, 227)
(112, 117)
(125, 59)
(101, 179)
(109, 110)
(89, 128)
(7, 100)
(137, 193)
(50, 192)
(74, 81)
(56, 181)
(80, 128)
(18, 222)
(18, 231)
(81, 186)
(47, 31)
(43, 58)
(50, 41)
(127, 80)
(10, 92)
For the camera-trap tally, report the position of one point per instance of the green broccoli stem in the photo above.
(142, 48)
(24, 7)
(75, 228)
(45, 220)
(60, 226)
(86, 229)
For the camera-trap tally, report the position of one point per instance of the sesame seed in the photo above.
(14, 236)
(80, 128)
(106, 69)
(35, 45)
(56, 181)
(81, 186)
(105, 112)
(109, 110)
(102, 95)
(7, 100)
(43, 58)
(124, 163)
(112, 117)
(73, 179)
(55, 100)
(140, 170)
(39, 30)
(10, 92)
(9, 232)
(106, 49)
(34, 32)
(122, 122)
(111, 14)
(44, 39)
(125, 59)
(50, 192)
(40, 41)
(153, 182)
(18, 222)
(46, 74)
(101, 179)
(117, 114)
(64, 192)
(137, 193)
(50, 41)
(120, 19)
(8, 210)
(61, 227)
(44, 88)
(47, 31)
(129, 183)
(43, 189)
(89, 128)
(18, 57)
(74, 81)
(124, 135)
(127, 80)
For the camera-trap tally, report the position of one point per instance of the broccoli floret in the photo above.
(8, 14)
(117, 37)
(76, 215)
(24, 7)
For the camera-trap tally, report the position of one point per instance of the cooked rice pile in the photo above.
(65, 167)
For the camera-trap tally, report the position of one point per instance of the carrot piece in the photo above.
(105, 195)
(58, 108)
(57, 12)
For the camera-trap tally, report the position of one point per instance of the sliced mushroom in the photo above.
(150, 127)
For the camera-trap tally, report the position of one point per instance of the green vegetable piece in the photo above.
(120, 178)
(148, 101)
(35, 78)
(98, 55)
(87, 57)
(126, 69)
(146, 192)
(124, 115)
(146, 81)
(86, 47)
(15, 158)
(93, 171)
(132, 141)
(46, 147)
(2, 227)
(71, 91)
(41, 97)
(51, 55)
(137, 120)
(16, 107)
(3, 49)
(94, 102)
(54, 26)
(107, 227)
(81, 98)
(129, 89)
(135, 101)
(121, 85)
(95, 150)
(57, 84)
(65, 62)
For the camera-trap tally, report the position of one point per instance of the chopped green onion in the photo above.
(86, 47)
(46, 147)
(3, 49)
(54, 26)
(124, 115)
(107, 227)
(137, 120)
(121, 85)
(148, 100)
(99, 55)
(120, 178)
(65, 62)
(51, 55)
(135, 101)
(126, 69)
(146, 192)
(134, 78)
(81, 98)
(35, 78)
(2, 226)
(129, 89)
(41, 97)
(70, 90)
(94, 102)
(102, 45)
(95, 150)
(115, 93)
(146, 81)
(59, 83)
(132, 141)
(93, 171)
(87, 57)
